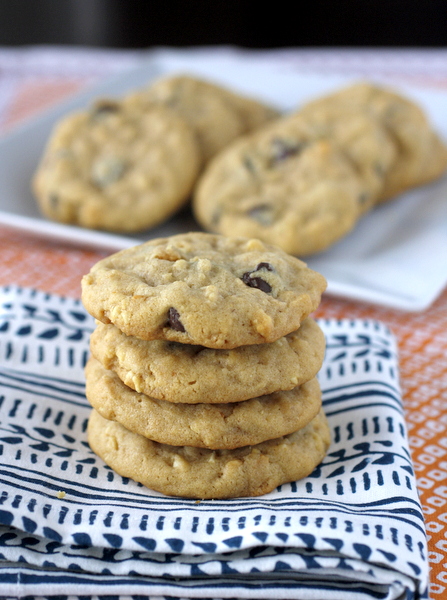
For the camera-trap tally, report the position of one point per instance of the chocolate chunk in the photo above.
(363, 198)
(174, 320)
(54, 201)
(264, 214)
(283, 149)
(258, 283)
(104, 107)
(379, 169)
(107, 170)
(264, 265)
(249, 164)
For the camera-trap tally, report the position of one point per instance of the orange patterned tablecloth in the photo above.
(29, 81)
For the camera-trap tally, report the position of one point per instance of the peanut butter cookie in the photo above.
(216, 114)
(421, 155)
(203, 473)
(216, 426)
(284, 187)
(203, 289)
(112, 168)
(186, 373)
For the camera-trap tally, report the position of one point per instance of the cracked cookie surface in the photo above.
(215, 426)
(112, 168)
(203, 289)
(203, 473)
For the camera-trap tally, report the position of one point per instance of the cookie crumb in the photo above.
(61, 494)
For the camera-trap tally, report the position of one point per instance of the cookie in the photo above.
(217, 115)
(115, 169)
(187, 374)
(203, 289)
(203, 473)
(216, 426)
(282, 187)
(421, 155)
(361, 137)
(254, 113)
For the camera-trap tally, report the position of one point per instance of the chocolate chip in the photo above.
(249, 164)
(363, 198)
(174, 320)
(264, 265)
(54, 201)
(264, 214)
(379, 169)
(107, 170)
(391, 112)
(283, 149)
(103, 108)
(256, 282)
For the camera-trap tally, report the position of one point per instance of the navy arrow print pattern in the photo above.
(356, 518)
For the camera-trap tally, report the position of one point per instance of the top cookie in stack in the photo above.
(204, 363)
(205, 289)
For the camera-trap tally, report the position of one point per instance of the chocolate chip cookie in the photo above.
(284, 187)
(361, 137)
(112, 168)
(203, 289)
(421, 155)
(216, 114)
(303, 181)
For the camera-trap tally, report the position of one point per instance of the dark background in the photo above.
(145, 23)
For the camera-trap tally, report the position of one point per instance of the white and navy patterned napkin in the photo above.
(70, 526)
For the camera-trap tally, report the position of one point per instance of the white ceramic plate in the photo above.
(396, 256)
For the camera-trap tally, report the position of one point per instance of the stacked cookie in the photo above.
(203, 366)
